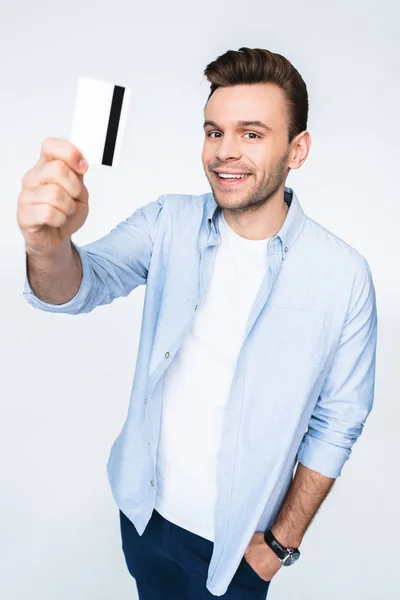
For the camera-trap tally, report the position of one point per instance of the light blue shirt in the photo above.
(304, 379)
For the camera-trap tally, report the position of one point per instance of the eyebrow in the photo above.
(240, 124)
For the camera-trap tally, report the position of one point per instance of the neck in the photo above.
(263, 222)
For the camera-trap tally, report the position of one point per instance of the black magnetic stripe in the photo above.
(113, 124)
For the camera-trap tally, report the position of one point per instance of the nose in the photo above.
(228, 149)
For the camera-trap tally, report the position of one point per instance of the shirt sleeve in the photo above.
(112, 266)
(347, 395)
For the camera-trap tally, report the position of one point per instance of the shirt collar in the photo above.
(291, 228)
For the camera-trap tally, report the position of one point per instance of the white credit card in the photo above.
(99, 120)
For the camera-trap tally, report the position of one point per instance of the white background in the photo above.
(65, 381)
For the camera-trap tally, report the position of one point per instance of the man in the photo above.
(256, 365)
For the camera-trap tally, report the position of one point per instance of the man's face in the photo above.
(261, 153)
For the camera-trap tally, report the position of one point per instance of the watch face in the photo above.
(291, 558)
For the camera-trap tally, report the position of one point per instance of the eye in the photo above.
(252, 133)
(209, 134)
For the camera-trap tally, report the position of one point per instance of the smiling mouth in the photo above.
(229, 181)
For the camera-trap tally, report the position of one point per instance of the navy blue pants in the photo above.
(171, 563)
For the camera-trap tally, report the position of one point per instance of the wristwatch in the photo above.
(287, 556)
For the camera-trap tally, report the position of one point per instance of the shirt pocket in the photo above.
(299, 336)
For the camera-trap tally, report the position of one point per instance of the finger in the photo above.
(46, 214)
(59, 148)
(57, 172)
(50, 195)
(39, 215)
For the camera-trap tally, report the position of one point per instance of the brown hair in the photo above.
(257, 65)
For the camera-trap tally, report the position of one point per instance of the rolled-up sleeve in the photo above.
(347, 395)
(112, 266)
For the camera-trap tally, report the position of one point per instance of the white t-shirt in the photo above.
(197, 383)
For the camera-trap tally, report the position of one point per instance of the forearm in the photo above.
(305, 495)
(55, 279)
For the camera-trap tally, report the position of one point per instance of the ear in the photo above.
(301, 145)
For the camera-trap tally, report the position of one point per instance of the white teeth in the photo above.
(231, 176)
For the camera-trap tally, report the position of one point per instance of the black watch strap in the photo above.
(272, 542)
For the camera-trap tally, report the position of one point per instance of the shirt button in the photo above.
(152, 483)
(167, 355)
(286, 248)
(145, 401)
(195, 308)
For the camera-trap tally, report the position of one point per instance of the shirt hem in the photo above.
(164, 512)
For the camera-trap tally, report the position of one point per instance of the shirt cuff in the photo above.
(322, 456)
(74, 305)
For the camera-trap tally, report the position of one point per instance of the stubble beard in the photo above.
(259, 194)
